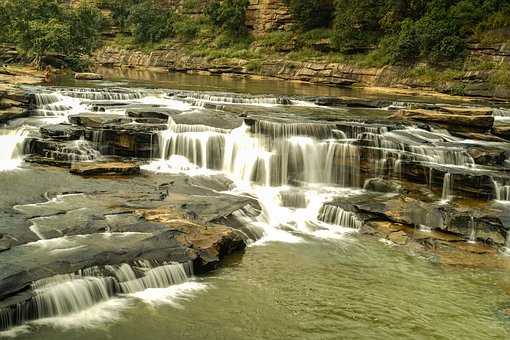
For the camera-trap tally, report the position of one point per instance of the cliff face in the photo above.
(268, 15)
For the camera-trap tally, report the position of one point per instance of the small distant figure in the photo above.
(47, 74)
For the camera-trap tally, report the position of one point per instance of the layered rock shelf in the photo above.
(473, 84)
(154, 185)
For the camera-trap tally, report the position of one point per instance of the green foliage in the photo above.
(275, 39)
(41, 36)
(150, 22)
(311, 14)
(187, 28)
(408, 30)
(41, 26)
(191, 5)
(228, 40)
(228, 15)
(120, 10)
(254, 66)
(356, 24)
(309, 38)
(86, 22)
(403, 47)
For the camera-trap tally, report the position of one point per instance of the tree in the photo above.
(150, 22)
(86, 23)
(356, 25)
(42, 26)
(311, 14)
(228, 15)
(42, 36)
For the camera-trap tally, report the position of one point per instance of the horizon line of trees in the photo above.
(403, 31)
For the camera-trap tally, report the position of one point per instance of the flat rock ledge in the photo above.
(88, 76)
(211, 241)
(105, 168)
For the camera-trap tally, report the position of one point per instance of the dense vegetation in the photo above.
(408, 30)
(377, 31)
(41, 26)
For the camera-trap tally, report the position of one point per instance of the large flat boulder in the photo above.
(161, 113)
(12, 113)
(88, 76)
(96, 120)
(211, 241)
(62, 131)
(105, 168)
(452, 121)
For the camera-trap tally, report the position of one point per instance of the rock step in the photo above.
(105, 168)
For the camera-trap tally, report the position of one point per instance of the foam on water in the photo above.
(171, 295)
(11, 151)
(96, 316)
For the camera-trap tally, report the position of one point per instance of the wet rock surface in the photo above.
(105, 168)
(456, 120)
(412, 183)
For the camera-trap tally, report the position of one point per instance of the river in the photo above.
(309, 273)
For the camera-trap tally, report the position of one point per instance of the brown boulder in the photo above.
(88, 76)
(211, 241)
(105, 168)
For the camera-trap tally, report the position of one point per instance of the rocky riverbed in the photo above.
(116, 190)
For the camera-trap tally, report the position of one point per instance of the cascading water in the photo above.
(282, 158)
(447, 187)
(472, 230)
(11, 153)
(501, 192)
(338, 216)
(200, 99)
(66, 294)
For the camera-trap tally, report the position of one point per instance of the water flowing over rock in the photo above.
(218, 171)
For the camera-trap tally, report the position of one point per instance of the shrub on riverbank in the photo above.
(150, 22)
(38, 27)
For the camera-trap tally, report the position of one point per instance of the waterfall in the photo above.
(501, 192)
(280, 159)
(200, 99)
(343, 165)
(154, 277)
(285, 130)
(472, 230)
(447, 187)
(66, 294)
(72, 294)
(338, 216)
(44, 98)
(293, 199)
(97, 94)
(11, 152)
(75, 151)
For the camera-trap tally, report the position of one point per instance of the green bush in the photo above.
(120, 10)
(275, 39)
(86, 23)
(228, 40)
(41, 26)
(187, 28)
(150, 22)
(311, 14)
(356, 25)
(404, 47)
(228, 15)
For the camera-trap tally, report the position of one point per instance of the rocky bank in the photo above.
(471, 83)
